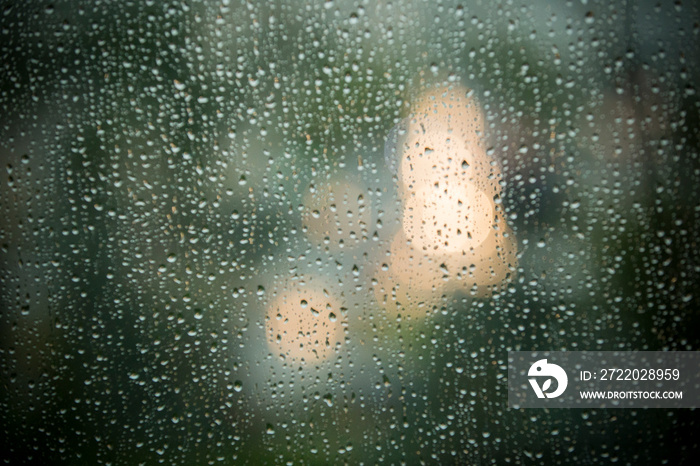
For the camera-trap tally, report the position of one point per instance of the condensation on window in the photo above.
(310, 232)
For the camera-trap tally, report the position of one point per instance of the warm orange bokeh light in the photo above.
(447, 219)
(408, 281)
(303, 323)
(454, 237)
(445, 143)
(481, 270)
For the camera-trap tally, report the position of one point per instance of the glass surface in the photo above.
(309, 232)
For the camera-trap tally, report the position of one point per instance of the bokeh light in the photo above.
(447, 219)
(456, 238)
(303, 322)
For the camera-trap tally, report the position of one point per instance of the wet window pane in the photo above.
(309, 232)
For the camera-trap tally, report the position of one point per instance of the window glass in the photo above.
(310, 232)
